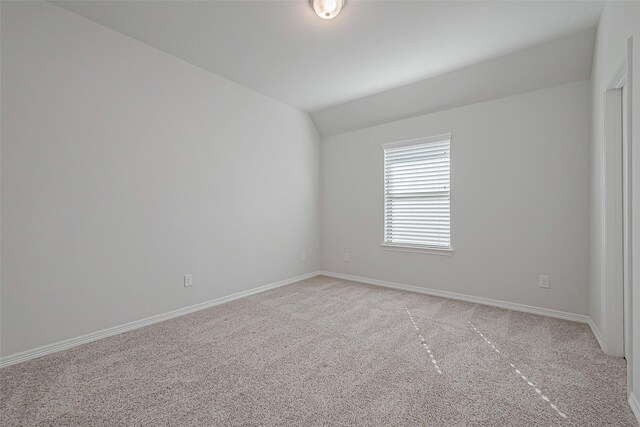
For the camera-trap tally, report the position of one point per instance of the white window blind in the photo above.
(417, 194)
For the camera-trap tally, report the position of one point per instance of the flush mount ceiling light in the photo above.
(327, 9)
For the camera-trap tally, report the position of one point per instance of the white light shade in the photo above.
(327, 9)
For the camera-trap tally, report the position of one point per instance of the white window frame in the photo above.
(406, 247)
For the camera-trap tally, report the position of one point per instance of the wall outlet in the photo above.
(544, 281)
(346, 257)
(304, 256)
(188, 280)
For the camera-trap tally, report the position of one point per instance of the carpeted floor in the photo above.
(333, 353)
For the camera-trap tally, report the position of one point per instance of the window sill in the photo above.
(416, 249)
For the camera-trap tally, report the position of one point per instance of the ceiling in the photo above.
(542, 66)
(283, 50)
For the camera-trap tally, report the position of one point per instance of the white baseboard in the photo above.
(596, 333)
(93, 336)
(635, 405)
(463, 297)
(73, 342)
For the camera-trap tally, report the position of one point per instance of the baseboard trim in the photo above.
(464, 297)
(93, 336)
(74, 342)
(596, 333)
(635, 405)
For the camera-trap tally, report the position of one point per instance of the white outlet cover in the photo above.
(346, 257)
(188, 280)
(304, 256)
(544, 281)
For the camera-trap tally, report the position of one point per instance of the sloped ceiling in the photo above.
(378, 60)
(550, 64)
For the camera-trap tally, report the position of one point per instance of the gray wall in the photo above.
(520, 200)
(124, 168)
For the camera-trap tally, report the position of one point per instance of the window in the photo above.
(417, 194)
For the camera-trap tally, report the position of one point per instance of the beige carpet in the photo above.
(332, 353)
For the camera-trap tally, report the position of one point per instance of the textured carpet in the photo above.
(328, 352)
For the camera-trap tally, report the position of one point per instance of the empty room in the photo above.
(319, 213)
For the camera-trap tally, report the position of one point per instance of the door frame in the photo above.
(617, 270)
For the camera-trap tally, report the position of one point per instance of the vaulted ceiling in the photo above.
(283, 50)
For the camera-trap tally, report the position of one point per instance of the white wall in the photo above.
(124, 168)
(619, 21)
(520, 200)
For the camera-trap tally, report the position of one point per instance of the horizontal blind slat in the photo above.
(413, 176)
(420, 164)
(420, 148)
(399, 157)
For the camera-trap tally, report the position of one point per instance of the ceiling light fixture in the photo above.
(327, 9)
